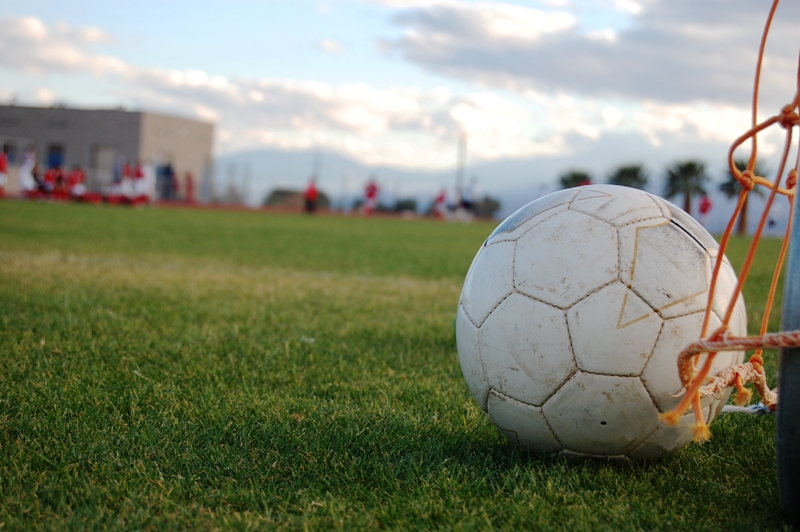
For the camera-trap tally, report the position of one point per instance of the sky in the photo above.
(396, 83)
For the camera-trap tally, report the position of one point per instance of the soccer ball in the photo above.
(572, 316)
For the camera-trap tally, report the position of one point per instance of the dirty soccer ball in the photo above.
(572, 316)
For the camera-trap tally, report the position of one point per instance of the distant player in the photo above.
(28, 182)
(49, 181)
(705, 209)
(75, 182)
(3, 173)
(775, 214)
(310, 197)
(60, 189)
(127, 181)
(139, 185)
(370, 197)
(440, 205)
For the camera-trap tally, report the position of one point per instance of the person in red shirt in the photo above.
(139, 187)
(49, 180)
(705, 209)
(75, 182)
(60, 190)
(127, 181)
(138, 181)
(3, 173)
(311, 196)
(440, 205)
(371, 197)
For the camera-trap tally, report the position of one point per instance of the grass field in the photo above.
(171, 369)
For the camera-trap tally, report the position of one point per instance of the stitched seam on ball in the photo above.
(508, 397)
(538, 222)
(587, 296)
(689, 233)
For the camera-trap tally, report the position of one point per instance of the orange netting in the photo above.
(696, 381)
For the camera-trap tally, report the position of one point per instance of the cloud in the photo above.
(27, 44)
(404, 127)
(400, 126)
(331, 46)
(674, 51)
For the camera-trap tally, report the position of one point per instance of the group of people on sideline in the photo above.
(128, 184)
(56, 182)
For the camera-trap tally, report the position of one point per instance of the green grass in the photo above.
(198, 369)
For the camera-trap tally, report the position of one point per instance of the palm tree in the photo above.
(632, 175)
(731, 188)
(574, 178)
(687, 178)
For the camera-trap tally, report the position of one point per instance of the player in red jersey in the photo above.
(311, 196)
(370, 197)
(75, 182)
(3, 173)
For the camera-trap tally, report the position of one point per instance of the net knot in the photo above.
(791, 179)
(788, 118)
(747, 180)
(743, 395)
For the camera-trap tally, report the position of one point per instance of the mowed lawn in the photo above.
(194, 369)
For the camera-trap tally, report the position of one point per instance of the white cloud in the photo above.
(398, 126)
(612, 116)
(45, 96)
(519, 23)
(676, 51)
(27, 44)
(629, 6)
(331, 46)
(607, 35)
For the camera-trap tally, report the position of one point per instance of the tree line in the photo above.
(683, 178)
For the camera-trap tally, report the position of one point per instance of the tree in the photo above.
(487, 207)
(574, 178)
(406, 204)
(687, 178)
(632, 175)
(731, 188)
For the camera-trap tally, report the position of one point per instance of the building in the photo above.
(101, 140)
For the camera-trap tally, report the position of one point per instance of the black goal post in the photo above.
(788, 423)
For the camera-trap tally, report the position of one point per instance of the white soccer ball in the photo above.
(572, 316)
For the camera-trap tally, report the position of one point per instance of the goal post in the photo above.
(788, 422)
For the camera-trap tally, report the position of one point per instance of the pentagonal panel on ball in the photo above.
(616, 205)
(613, 331)
(526, 217)
(665, 266)
(489, 281)
(525, 349)
(565, 258)
(601, 414)
(521, 423)
(469, 357)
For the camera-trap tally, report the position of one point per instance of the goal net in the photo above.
(695, 362)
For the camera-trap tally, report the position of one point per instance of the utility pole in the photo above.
(245, 182)
(461, 164)
(317, 167)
